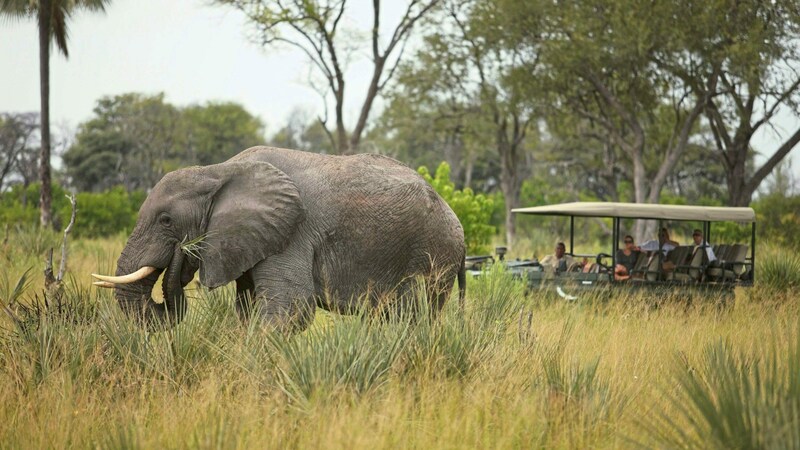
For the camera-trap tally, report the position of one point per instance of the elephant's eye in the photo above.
(165, 220)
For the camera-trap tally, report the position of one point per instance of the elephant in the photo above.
(295, 230)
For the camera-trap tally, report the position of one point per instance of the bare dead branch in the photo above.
(773, 161)
(63, 265)
(778, 102)
(394, 66)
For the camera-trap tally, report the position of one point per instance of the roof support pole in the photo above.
(614, 247)
(753, 254)
(571, 235)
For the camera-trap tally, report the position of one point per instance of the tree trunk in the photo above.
(342, 143)
(511, 195)
(46, 195)
(641, 228)
(366, 107)
(510, 177)
(740, 187)
(468, 172)
(454, 155)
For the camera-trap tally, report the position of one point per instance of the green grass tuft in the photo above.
(779, 271)
(735, 399)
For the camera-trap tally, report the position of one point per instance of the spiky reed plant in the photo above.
(352, 355)
(578, 403)
(735, 399)
(779, 271)
(458, 342)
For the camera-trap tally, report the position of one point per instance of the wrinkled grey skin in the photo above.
(296, 231)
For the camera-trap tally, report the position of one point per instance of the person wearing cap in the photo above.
(697, 235)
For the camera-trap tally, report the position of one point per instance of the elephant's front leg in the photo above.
(284, 289)
(245, 292)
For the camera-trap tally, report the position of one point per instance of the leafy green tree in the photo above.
(51, 18)
(134, 139)
(131, 141)
(751, 48)
(470, 74)
(217, 131)
(427, 121)
(473, 210)
(19, 135)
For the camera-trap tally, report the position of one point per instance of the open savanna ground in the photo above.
(513, 370)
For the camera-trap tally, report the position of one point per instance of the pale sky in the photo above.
(190, 51)
(193, 53)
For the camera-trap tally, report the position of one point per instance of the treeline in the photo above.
(134, 139)
(115, 211)
(528, 101)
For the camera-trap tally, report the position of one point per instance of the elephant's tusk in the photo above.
(125, 279)
(104, 284)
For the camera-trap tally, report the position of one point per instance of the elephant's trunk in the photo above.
(135, 299)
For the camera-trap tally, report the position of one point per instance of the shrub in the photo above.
(106, 213)
(20, 205)
(473, 210)
(99, 214)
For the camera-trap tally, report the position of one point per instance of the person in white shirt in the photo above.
(560, 261)
(663, 242)
(697, 235)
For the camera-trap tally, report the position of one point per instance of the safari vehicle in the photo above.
(690, 269)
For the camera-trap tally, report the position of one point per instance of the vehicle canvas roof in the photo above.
(643, 211)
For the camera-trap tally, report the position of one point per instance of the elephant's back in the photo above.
(351, 170)
(375, 221)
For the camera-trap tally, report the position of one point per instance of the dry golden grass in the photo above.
(593, 373)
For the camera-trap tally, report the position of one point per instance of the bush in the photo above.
(105, 213)
(473, 210)
(99, 214)
(20, 205)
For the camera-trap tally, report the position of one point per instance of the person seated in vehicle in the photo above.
(697, 236)
(560, 261)
(665, 244)
(626, 258)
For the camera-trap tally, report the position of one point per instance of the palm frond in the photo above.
(92, 5)
(60, 11)
(17, 9)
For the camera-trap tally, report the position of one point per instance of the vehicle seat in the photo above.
(694, 270)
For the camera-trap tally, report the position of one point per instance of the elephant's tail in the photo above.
(462, 284)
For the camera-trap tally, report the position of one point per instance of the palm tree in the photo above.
(51, 16)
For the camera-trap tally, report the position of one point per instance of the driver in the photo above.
(560, 261)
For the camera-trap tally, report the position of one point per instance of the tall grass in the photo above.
(735, 399)
(510, 370)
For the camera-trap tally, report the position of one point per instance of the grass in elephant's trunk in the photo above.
(136, 299)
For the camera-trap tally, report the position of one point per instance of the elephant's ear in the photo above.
(253, 214)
